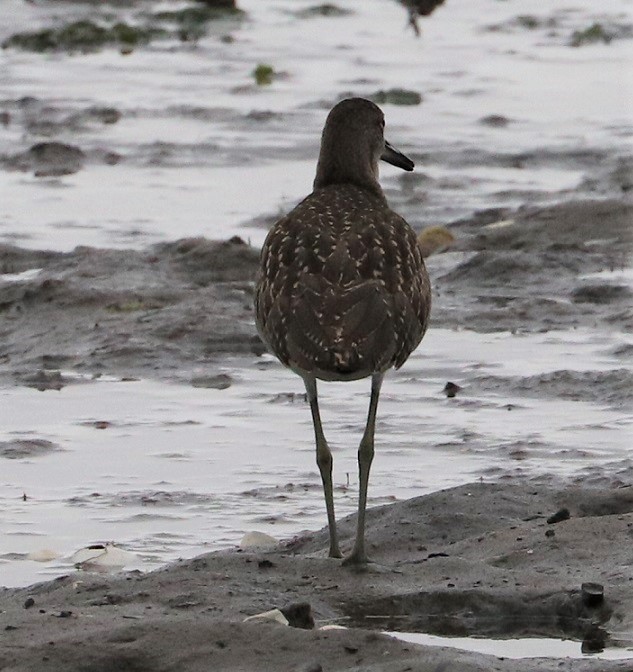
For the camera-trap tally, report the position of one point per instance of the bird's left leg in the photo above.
(324, 461)
(365, 457)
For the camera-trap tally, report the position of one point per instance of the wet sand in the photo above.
(479, 560)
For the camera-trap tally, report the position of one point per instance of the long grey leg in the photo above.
(324, 460)
(365, 457)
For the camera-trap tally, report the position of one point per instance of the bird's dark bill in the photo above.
(395, 158)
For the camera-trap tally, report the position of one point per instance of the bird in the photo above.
(416, 8)
(342, 291)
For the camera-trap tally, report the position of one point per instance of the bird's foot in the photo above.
(361, 564)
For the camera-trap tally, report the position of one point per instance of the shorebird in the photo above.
(343, 292)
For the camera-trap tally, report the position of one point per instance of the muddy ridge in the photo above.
(479, 559)
(172, 307)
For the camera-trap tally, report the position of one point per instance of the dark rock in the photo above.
(22, 448)
(29, 602)
(559, 516)
(299, 615)
(451, 389)
(49, 159)
(495, 121)
(220, 382)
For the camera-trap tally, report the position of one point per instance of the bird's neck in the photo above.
(345, 166)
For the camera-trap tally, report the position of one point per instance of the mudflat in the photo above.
(480, 559)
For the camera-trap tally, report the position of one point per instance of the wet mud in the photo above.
(164, 310)
(480, 559)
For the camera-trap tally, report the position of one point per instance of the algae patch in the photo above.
(595, 33)
(82, 36)
(396, 97)
(263, 74)
(87, 36)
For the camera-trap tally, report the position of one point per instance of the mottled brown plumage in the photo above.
(343, 292)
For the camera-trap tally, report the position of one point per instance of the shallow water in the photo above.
(532, 647)
(189, 147)
(167, 470)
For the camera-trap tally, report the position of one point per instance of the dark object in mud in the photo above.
(265, 564)
(299, 615)
(106, 115)
(559, 516)
(595, 640)
(49, 159)
(451, 389)
(595, 33)
(343, 292)
(602, 293)
(221, 381)
(495, 121)
(83, 36)
(396, 96)
(17, 449)
(225, 5)
(326, 9)
(29, 602)
(550, 533)
(592, 594)
(44, 380)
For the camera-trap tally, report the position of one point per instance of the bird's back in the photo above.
(343, 291)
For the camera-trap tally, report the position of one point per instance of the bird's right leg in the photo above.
(324, 460)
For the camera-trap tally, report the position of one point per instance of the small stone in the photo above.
(265, 564)
(299, 615)
(560, 515)
(549, 533)
(451, 389)
(29, 602)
